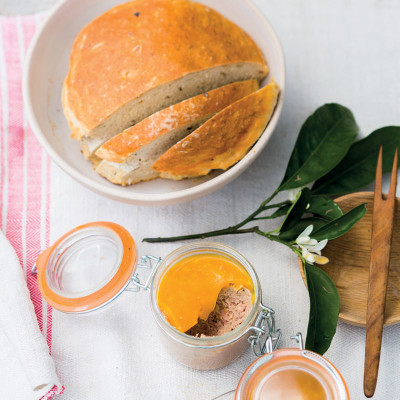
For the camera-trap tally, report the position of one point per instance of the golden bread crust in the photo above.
(121, 146)
(223, 140)
(140, 45)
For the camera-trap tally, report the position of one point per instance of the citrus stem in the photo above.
(231, 230)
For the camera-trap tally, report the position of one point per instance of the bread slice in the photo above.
(223, 140)
(128, 157)
(145, 55)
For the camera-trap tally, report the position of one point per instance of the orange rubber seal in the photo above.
(108, 291)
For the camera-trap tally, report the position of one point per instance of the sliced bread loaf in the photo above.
(127, 158)
(223, 140)
(145, 55)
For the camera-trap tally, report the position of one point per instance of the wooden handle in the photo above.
(379, 269)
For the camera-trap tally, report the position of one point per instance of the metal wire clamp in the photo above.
(266, 337)
(146, 262)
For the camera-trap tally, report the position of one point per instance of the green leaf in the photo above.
(358, 168)
(325, 207)
(340, 226)
(281, 211)
(293, 233)
(324, 309)
(323, 141)
(297, 209)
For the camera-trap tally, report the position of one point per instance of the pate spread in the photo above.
(189, 290)
(232, 308)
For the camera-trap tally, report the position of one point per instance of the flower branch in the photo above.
(310, 216)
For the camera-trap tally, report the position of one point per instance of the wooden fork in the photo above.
(382, 230)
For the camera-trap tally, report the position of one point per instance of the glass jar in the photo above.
(209, 352)
(92, 265)
(292, 373)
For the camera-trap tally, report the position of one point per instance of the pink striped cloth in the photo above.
(24, 167)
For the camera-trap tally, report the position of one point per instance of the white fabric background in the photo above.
(346, 51)
(27, 370)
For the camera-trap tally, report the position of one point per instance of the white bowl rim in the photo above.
(178, 196)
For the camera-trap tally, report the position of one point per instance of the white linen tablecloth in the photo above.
(346, 51)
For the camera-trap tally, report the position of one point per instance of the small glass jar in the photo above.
(292, 373)
(209, 352)
(93, 264)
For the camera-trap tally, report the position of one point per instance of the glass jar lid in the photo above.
(291, 373)
(87, 267)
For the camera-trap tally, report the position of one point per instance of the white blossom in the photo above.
(311, 248)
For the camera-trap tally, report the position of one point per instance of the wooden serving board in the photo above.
(348, 267)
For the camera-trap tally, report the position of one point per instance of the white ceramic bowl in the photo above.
(47, 66)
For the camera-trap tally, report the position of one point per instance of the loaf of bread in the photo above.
(165, 88)
(223, 140)
(127, 158)
(145, 55)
